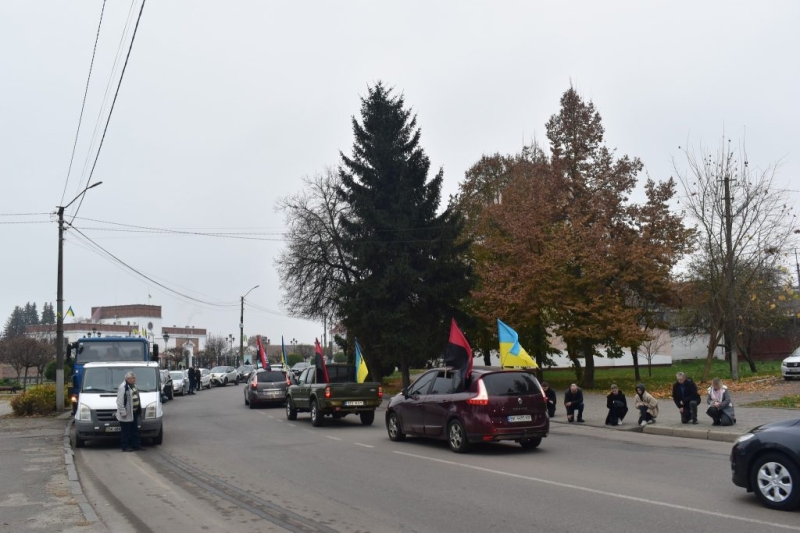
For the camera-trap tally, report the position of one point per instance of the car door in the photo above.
(302, 390)
(410, 410)
(438, 403)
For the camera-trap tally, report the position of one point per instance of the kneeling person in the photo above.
(646, 404)
(617, 406)
(720, 406)
(573, 401)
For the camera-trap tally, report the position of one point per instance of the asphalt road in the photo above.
(224, 467)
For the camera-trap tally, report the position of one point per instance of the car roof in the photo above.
(138, 364)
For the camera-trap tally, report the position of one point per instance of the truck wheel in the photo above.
(79, 442)
(291, 412)
(393, 427)
(367, 417)
(160, 438)
(317, 418)
(457, 437)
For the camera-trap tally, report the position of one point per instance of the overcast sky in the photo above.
(225, 106)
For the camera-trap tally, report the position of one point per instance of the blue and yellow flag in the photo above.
(511, 353)
(283, 351)
(70, 312)
(361, 365)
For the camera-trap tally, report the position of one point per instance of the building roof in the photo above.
(125, 311)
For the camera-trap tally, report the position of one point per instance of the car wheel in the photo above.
(775, 480)
(245, 398)
(252, 406)
(225, 383)
(159, 439)
(530, 444)
(393, 427)
(367, 417)
(457, 437)
(291, 412)
(317, 419)
(171, 394)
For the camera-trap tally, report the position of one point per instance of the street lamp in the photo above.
(230, 350)
(241, 325)
(60, 302)
(293, 342)
(166, 341)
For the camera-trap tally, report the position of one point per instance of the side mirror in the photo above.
(405, 393)
(154, 354)
(69, 352)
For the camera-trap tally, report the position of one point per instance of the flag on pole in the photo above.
(459, 353)
(511, 353)
(283, 351)
(70, 312)
(361, 365)
(262, 354)
(319, 363)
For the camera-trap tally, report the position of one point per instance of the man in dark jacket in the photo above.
(573, 401)
(686, 398)
(551, 399)
(192, 383)
(617, 407)
(198, 384)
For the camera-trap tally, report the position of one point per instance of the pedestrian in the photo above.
(686, 398)
(573, 401)
(646, 404)
(198, 383)
(129, 408)
(550, 394)
(192, 383)
(617, 406)
(720, 406)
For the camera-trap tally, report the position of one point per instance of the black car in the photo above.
(767, 461)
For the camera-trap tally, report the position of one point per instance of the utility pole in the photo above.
(241, 326)
(60, 302)
(730, 322)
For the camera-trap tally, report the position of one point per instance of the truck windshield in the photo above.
(108, 379)
(110, 351)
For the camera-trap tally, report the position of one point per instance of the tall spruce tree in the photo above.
(15, 324)
(412, 262)
(48, 314)
(31, 314)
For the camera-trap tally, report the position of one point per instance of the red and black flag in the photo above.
(262, 354)
(319, 363)
(458, 354)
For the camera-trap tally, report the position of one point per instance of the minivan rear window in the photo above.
(511, 384)
(271, 376)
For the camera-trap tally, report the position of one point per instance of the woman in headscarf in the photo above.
(720, 406)
(646, 404)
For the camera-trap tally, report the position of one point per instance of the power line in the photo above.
(113, 103)
(24, 214)
(83, 105)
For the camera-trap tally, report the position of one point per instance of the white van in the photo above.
(95, 416)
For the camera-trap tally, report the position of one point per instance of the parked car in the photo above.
(180, 381)
(166, 385)
(205, 378)
(298, 368)
(222, 375)
(495, 405)
(244, 372)
(790, 367)
(265, 386)
(767, 461)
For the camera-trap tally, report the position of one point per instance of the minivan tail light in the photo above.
(482, 398)
(255, 381)
(380, 392)
(288, 380)
(327, 392)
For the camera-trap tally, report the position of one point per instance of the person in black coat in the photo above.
(198, 385)
(191, 380)
(686, 398)
(551, 399)
(617, 407)
(573, 401)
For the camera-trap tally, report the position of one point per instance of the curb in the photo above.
(74, 481)
(692, 433)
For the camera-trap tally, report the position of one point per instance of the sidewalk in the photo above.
(669, 419)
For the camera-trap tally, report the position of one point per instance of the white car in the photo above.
(222, 375)
(205, 378)
(790, 367)
(180, 381)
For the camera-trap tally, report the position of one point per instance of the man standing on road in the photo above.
(686, 398)
(128, 410)
(197, 379)
(551, 399)
(192, 382)
(573, 401)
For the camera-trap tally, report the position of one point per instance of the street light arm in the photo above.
(93, 185)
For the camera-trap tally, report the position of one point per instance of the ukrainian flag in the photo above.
(283, 353)
(361, 365)
(70, 312)
(511, 353)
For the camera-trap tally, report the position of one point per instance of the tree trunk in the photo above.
(404, 371)
(713, 342)
(487, 356)
(588, 354)
(25, 383)
(635, 356)
(747, 353)
(576, 363)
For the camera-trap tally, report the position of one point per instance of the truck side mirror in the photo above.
(69, 352)
(154, 354)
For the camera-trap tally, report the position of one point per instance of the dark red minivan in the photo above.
(495, 405)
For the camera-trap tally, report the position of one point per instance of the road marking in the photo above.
(292, 425)
(308, 430)
(604, 493)
(270, 416)
(364, 445)
(332, 438)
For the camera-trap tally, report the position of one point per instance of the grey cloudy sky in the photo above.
(225, 106)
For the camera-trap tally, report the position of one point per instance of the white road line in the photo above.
(292, 425)
(364, 445)
(332, 438)
(604, 493)
(270, 416)
(308, 430)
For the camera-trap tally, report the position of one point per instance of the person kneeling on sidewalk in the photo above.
(720, 405)
(686, 398)
(551, 399)
(573, 401)
(646, 404)
(617, 407)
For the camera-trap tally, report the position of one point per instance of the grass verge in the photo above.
(791, 401)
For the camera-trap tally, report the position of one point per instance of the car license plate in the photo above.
(519, 418)
(113, 429)
(354, 403)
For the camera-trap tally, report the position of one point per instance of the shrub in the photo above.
(50, 370)
(294, 358)
(340, 357)
(35, 401)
